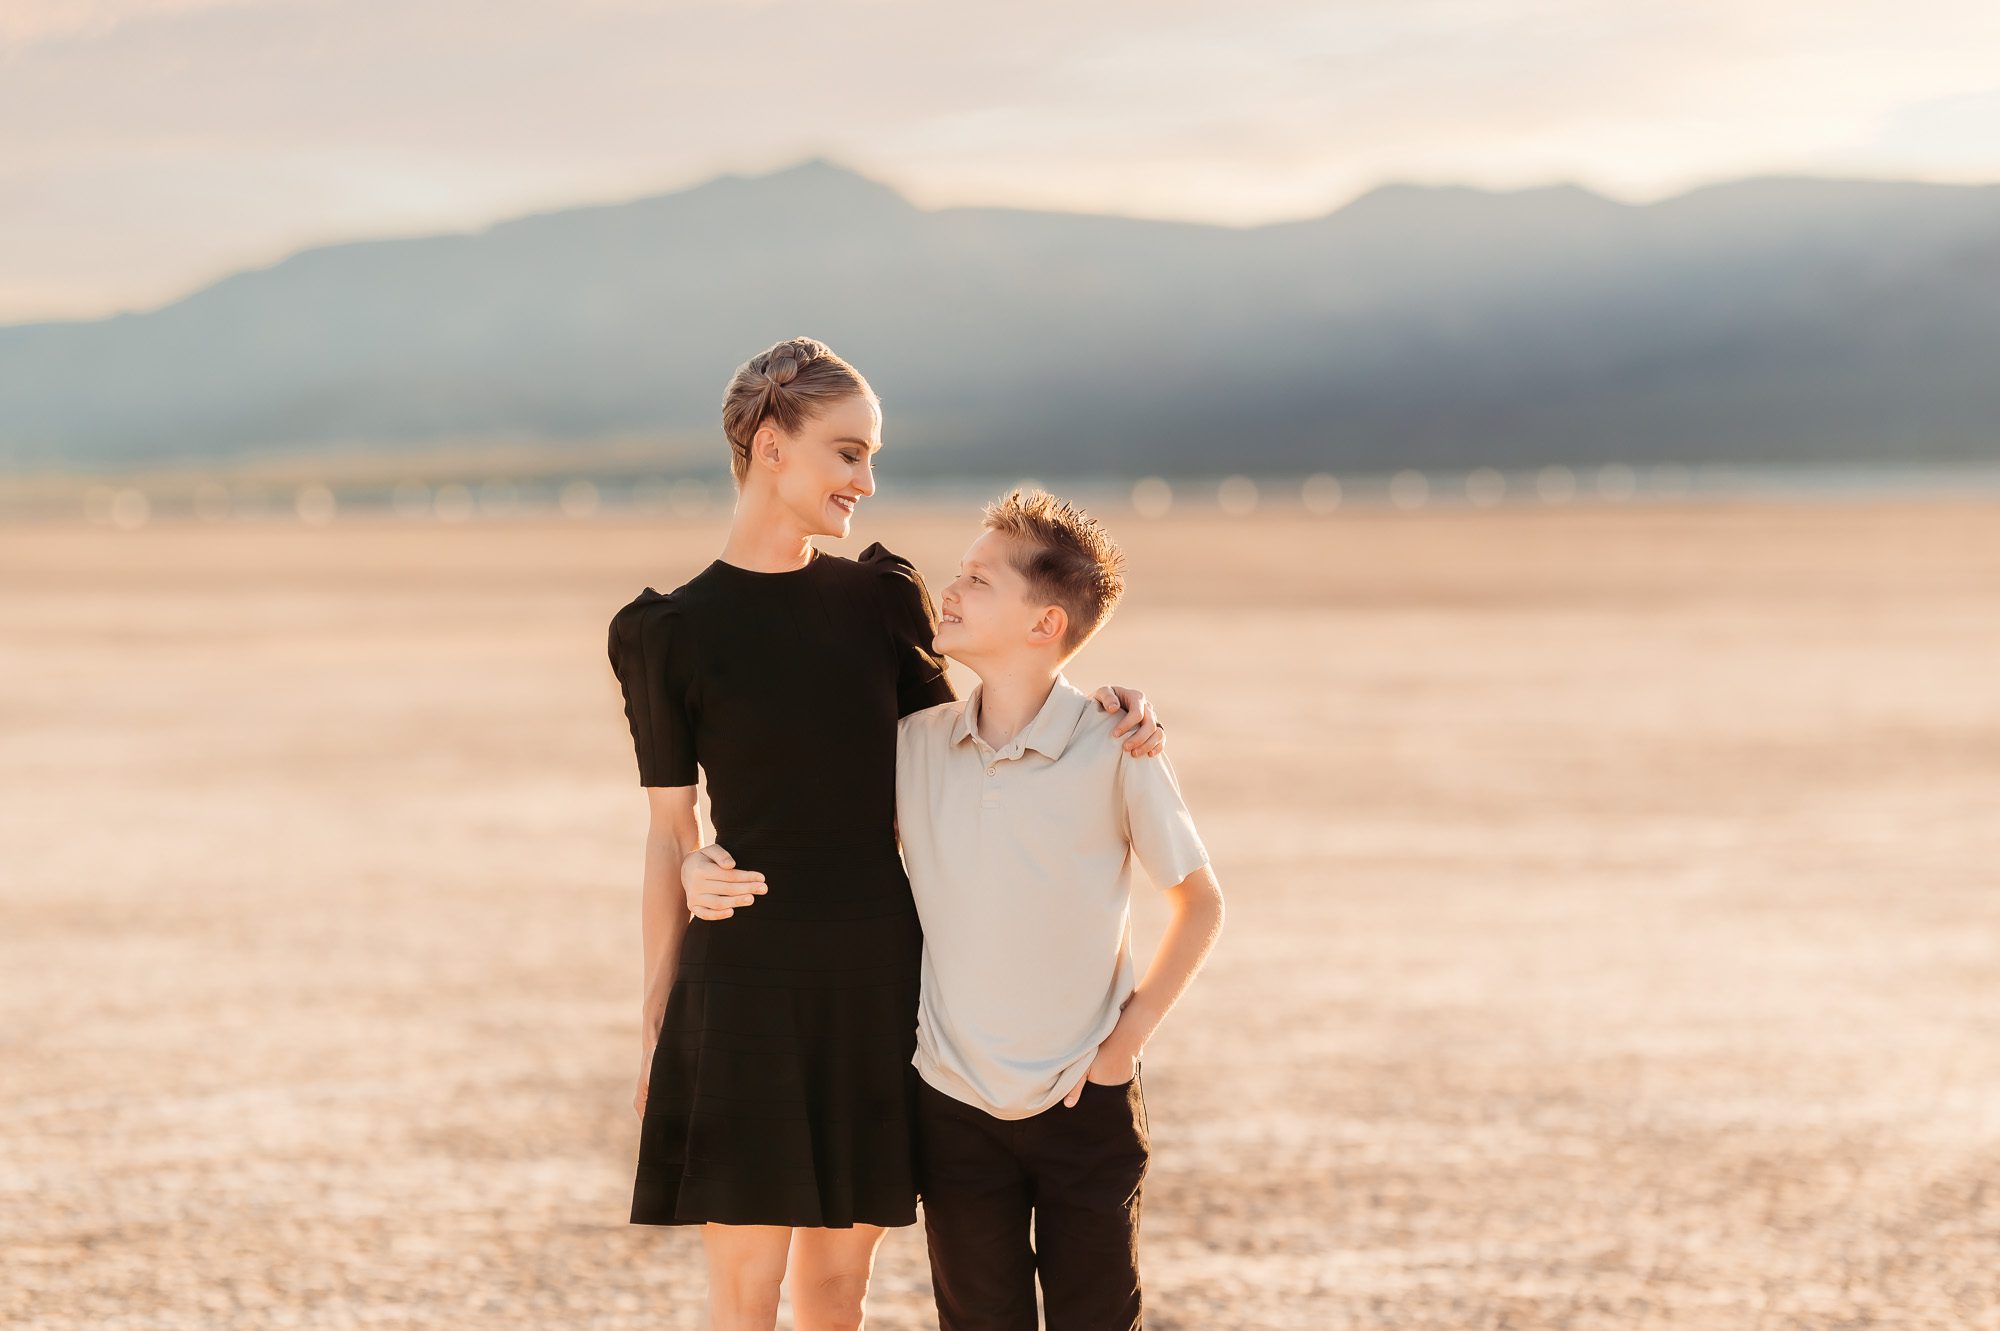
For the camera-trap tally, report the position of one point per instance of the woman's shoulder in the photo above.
(878, 555)
(650, 604)
(648, 618)
(903, 592)
(885, 564)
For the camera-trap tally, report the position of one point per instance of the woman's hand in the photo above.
(714, 886)
(1148, 737)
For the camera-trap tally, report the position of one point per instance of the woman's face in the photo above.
(828, 467)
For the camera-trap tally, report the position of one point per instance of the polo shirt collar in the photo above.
(1048, 733)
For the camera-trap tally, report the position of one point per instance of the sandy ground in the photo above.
(1614, 933)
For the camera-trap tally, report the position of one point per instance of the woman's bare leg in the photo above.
(746, 1267)
(830, 1270)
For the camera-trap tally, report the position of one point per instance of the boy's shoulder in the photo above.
(1094, 727)
(933, 722)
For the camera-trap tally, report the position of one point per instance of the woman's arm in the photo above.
(672, 831)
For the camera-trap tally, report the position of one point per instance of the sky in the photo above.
(148, 147)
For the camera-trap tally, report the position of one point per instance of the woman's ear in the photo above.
(764, 446)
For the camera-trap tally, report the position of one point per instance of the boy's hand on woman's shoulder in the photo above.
(1148, 735)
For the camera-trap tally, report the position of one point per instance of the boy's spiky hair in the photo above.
(1066, 556)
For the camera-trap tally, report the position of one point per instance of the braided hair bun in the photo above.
(786, 384)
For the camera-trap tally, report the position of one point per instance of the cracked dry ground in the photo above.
(1613, 939)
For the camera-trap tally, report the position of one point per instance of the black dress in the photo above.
(782, 1088)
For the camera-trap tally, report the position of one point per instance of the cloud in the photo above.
(259, 125)
(1943, 137)
(24, 23)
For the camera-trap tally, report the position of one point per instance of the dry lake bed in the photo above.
(1613, 933)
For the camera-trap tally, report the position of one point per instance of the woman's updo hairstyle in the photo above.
(788, 385)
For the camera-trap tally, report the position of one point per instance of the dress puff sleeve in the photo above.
(912, 621)
(649, 655)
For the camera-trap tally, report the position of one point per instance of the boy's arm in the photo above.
(1194, 924)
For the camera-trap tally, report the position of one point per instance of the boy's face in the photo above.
(985, 612)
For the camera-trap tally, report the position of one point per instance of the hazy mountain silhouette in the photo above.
(1764, 320)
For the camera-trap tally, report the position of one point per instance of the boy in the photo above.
(1020, 816)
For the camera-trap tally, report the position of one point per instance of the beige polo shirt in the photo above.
(1022, 862)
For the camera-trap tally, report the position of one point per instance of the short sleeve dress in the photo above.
(782, 1086)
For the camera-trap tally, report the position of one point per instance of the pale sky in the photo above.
(150, 146)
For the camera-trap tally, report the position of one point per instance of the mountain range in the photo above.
(1768, 320)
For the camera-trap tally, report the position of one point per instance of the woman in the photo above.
(775, 1082)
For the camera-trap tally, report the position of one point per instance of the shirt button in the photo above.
(991, 770)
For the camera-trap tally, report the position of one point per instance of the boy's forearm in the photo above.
(1190, 936)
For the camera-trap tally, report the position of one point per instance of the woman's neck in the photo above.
(765, 538)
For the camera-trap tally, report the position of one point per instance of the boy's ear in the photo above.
(1054, 622)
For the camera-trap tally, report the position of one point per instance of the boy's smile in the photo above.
(985, 609)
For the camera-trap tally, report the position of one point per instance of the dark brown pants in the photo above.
(1076, 1172)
